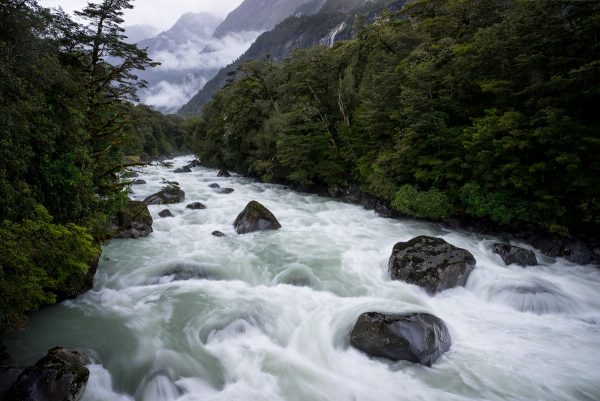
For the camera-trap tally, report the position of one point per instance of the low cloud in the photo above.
(186, 67)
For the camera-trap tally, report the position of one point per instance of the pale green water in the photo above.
(269, 314)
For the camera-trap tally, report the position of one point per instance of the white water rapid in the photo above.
(265, 316)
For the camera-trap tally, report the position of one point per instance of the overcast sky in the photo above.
(158, 13)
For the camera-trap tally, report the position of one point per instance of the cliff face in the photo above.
(333, 21)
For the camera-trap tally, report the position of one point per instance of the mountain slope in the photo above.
(258, 15)
(302, 30)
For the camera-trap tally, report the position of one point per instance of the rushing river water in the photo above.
(265, 316)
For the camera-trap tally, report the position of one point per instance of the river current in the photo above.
(183, 315)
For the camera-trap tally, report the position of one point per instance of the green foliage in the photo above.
(39, 259)
(431, 204)
(489, 106)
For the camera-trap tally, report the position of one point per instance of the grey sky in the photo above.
(158, 13)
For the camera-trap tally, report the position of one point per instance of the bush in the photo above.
(39, 260)
(431, 204)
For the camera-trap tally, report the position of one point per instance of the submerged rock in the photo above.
(59, 376)
(196, 206)
(135, 221)
(224, 191)
(223, 173)
(218, 234)
(214, 186)
(166, 213)
(170, 194)
(415, 337)
(431, 263)
(138, 182)
(255, 217)
(184, 169)
(512, 254)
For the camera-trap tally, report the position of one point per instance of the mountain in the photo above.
(183, 70)
(258, 15)
(318, 22)
(135, 33)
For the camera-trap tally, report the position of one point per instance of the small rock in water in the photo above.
(255, 217)
(214, 186)
(223, 173)
(138, 182)
(224, 191)
(166, 213)
(170, 194)
(196, 206)
(195, 163)
(415, 337)
(59, 376)
(512, 254)
(218, 234)
(431, 263)
(129, 174)
(184, 169)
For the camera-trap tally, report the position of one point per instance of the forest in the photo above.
(67, 121)
(465, 109)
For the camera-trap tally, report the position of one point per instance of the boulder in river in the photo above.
(414, 337)
(214, 185)
(512, 254)
(196, 206)
(431, 263)
(195, 163)
(59, 376)
(170, 194)
(255, 217)
(184, 169)
(138, 182)
(135, 221)
(218, 234)
(166, 213)
(223, 173)
(224, 191)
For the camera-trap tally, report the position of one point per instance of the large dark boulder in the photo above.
(415, 337)
(59, 376)
(512, 254)
(184, 169)
(135, 221)
(431, 263)
(223, 173)
(170, 194)
(255, 217)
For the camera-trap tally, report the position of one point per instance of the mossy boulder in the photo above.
(414, 337)
(135, 221)
(431, 263)
(255, 217)
(59, 376)
(169, 194)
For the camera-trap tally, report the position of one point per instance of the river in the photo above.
(265, 316)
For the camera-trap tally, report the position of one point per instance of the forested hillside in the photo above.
(479, 109)
(66, 123)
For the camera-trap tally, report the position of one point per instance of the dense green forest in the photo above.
(66, 122)
(480, 109)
